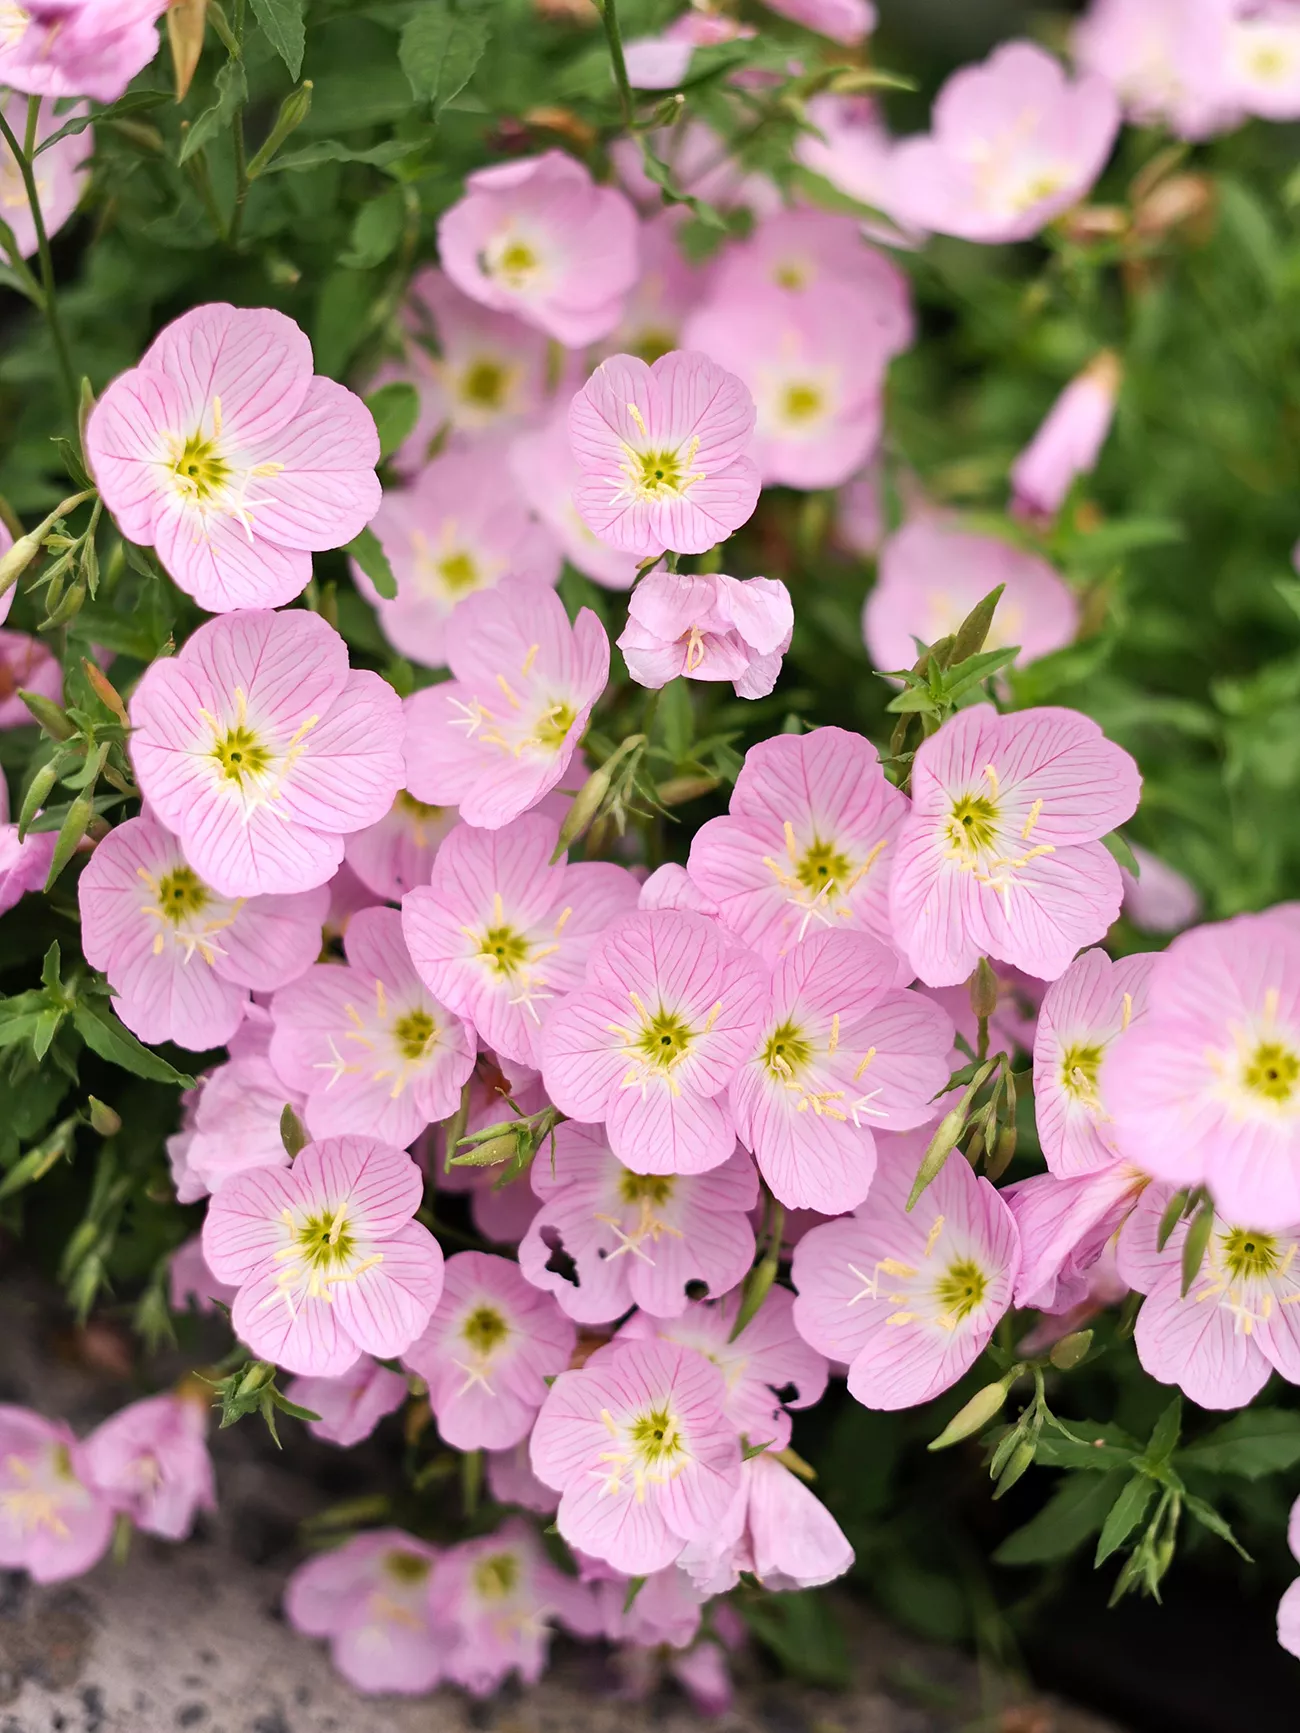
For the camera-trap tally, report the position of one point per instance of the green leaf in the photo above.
(803, 1633)
(1077, 1509)
(440, 49)
(372, 559)
(1105, 1446)
(1121, 852)
(231, 88)
(282, 25)
(1209, 1518)
(100, 1029)
(376, 230)
(324, 150)
(396, 409)
(1252, 1444)
(1164, 1434)
(1125, 1515)
(134, 102)
(961, 677)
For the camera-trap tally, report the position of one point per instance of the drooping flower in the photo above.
(538, 238)
(849, 146)
(842, 1053)
(777, 1530)
(1069, 441)
(180, 958)
(60, 170)
(452, 533)
(1161, 900)
(25, 666)
(641, 1452)
(1161, 59)
(1013, 143)
(547, 475)
(54, 1522)
(909, 1300)
(395, 855)
(650, 1043)
(634, 1239)
(150, 1460)
(808, 842)
(349, 1406)
(77, 47)
(708, 627)
(499, 735)
(1066, 1228)
(1001, 855)
(234, 1125)
(327, 1259)
(845, 21)
(261, 751)
(370, 1598)
(488, 1351)
(663, 453)
(225, 452)
(367, 1045)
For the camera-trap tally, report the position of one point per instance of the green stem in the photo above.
(614, 36)
(241, 155)
(50, 305)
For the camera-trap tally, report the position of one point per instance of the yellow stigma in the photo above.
(485, 1329)
(651, 1188)
(407, 1567)
(822, 867)
(496, 1577)
(1248, 1254)
(200, 471)
(553, 726)
(1079, 1068)
(458, 571)
(972, 824)
(323, 1241)
(241, 754)
(960, 1289)
(505, 949)
(656, 1437)
(181, 893)
(801, 403)
(785, 1052)
(663, 1039)
(1272, 1072)
(413, 1034)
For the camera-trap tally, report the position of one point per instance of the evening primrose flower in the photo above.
(708, 627)
(370, 1599)
(151, 1461)
(54, 1522)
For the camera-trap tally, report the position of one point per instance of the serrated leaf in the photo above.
(1077, 1509)
(439, 50)
(282, 25)
(1125, 1515)
(370, 556)
(1252, 1444)
(396, 409)
(100, 1029)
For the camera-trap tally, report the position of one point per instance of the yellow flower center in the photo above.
(822, 867)
(553, 725)
(972, 824)
(505, 949)
(1247, 1254)
(496, 1577)
(485, 1329)
(786, 1052)
(323, 1241)
(407, 1568)
(182, 893)
(241, 754)
(1272, 1072)
(515, 262)
(656, 1437)
(413, 1033)
(1079, 1068)
(200, 470)
(801, 403)
(960, 1289)
(651, 1188)
(663, 1039)
(484, 383)
(459, 571)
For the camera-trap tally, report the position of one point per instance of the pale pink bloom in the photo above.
(1207, 1088)
(635, 1239)
(261, 751)
(1092, 1005)
(842, 1053)
(846, 21)
(60, 172)
(708, 627)
(499, 735)
(370, 1598)
(538, 238)
(226, 453)
(500, 935)
(662, 62)
(511, 1480)
(452, 533)
(1161, 900)
(1260, 64)
(860, 514)
(808, 842)
(1069, 441)
(1238, 1322)
(547, 475)
(672, 887)
(150, 1461)
(932, 574)
(665, 1610)
(191, 1282)
(180, 959)
(23, 865)
(367, 1044)
(852, 150)
(777, 1530)
(54, 1522)
(703, 1674)
(641, 1452)
(663, 453)
(701, 164)
(666, 291)
(649, 1045)
(1288, 1613)
(909, 1300)
(348, 895)
(77, 47)
(395, 855)
(327, 1259)
(234, 1124)
(26, 665)
(1001, 855)
(1014, 1019)
(352, 1405)
(1100, 1285)
(1013, 143)
(1066, 1227)
(1164, 59)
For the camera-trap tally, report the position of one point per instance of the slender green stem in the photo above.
(614, 36)
(50, 305)
(33, 120)
(241, 155)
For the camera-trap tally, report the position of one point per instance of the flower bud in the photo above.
(985, 1405)
(293, 111)
(1020, 1459)
(293, 1133)
(1070, 1350)
(18, 558)
(102, 1117)
(490, 1154)
(983, 990)
(258, 1376)
(51, 716)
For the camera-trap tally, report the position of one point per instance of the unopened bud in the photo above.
(105, 691)
(1070, 1350)
(52, 717)
(563, 121)
(1020, 1459)
(19, 557)
(258, 1376)
(941, 1147)
(68, 608)
(71, 832)
(102, 1117)
(1000, 1158)
(985, 1405)
(186, 20)
(293, 111)
(490, 1154)
(38, 793)
(1181, 200)
(1094, 222)
(679, 789)
(293, 1133)
(983, 990)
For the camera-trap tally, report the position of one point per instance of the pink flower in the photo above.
(1089, 1008)
(641, 1452)
(7, 599)
(53, 1520)
(547, 475)
(662, 62)
(78, 47)
(1163, 60)
(190, 1281)
(860, 516)
(328, 1262)
(538, 238)
(259, 749)
(368, 1045)
(451, 534)
(635, 1239)
(1259, 57)
(499, 735)
(842, 1053)
(397, 854)
(370, 1598)
(180, 958)
(1001, 854)
(511, 1480)
(777, 1530)
(1069, 441)
(1288, 1613)
(664, 1612)
(25, 665)
(225, 452)
(1207, 1088)
(672, 887)
(846, 21)
(651, 1042)
(708, 628)
(235, 1125)
(23, 865)
(809, 842)
(909, 1300)
(499, 934)
(662, 451)
(350, 1406)
(150, 1460)
(60, 171)
(488, 1352)
(669, 285)
(701, 164)
(1066, 1228)
(1162, 900)
(1013, 143)
(932, 574)
(852, 150)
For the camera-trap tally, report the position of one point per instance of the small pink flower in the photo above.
(1091, 1006)
(225, 452)
(1161, 900)
(1069, 441)
(1066, 1228)
(25, 665)
(498, 736)
(234, 1126)
(54, 1522)
(808, 843)
(1288, 1613)
(350, 1406)
(1164, 59)
(451, 534)
(191, 1282)
(1013, 143)
(932, 574)
(665, 1611)
(845, 21)
(78, 47)
(641, 1452)
(261, 751)
(150, 1460)
(1001, 855)
(842, 1053)
(635, 1239)
(328, 1262)
(662, 62)
(909, 1300)
(538, 238)
(668, 288)
(511, 1481)
(663, 453)
(850, 148)
(181, 959)
(547, 475)
(776, 1530)
(651, 1042)
(23, 865)
(708, 628)
(370, 1598)
(61, 170)
(395, 855)
(368, 1045)
(1259, 57)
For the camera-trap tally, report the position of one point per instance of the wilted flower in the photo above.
(708, 627)
(351, 1405)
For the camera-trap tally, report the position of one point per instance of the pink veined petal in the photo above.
(301, 1334)
(633, 1537)
(288, 666)
(351, 766)
(244, 1226)
(216, 560)
(325, 490)
(381, 1185)
(582, 1064)
(809, 1162)
(386, 1307)
(254, 359)
(124, 446)
(903, 1366)
(260, 855)
(1199, 1347)
(175, 998)
(273, 940)
(658, 1132)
